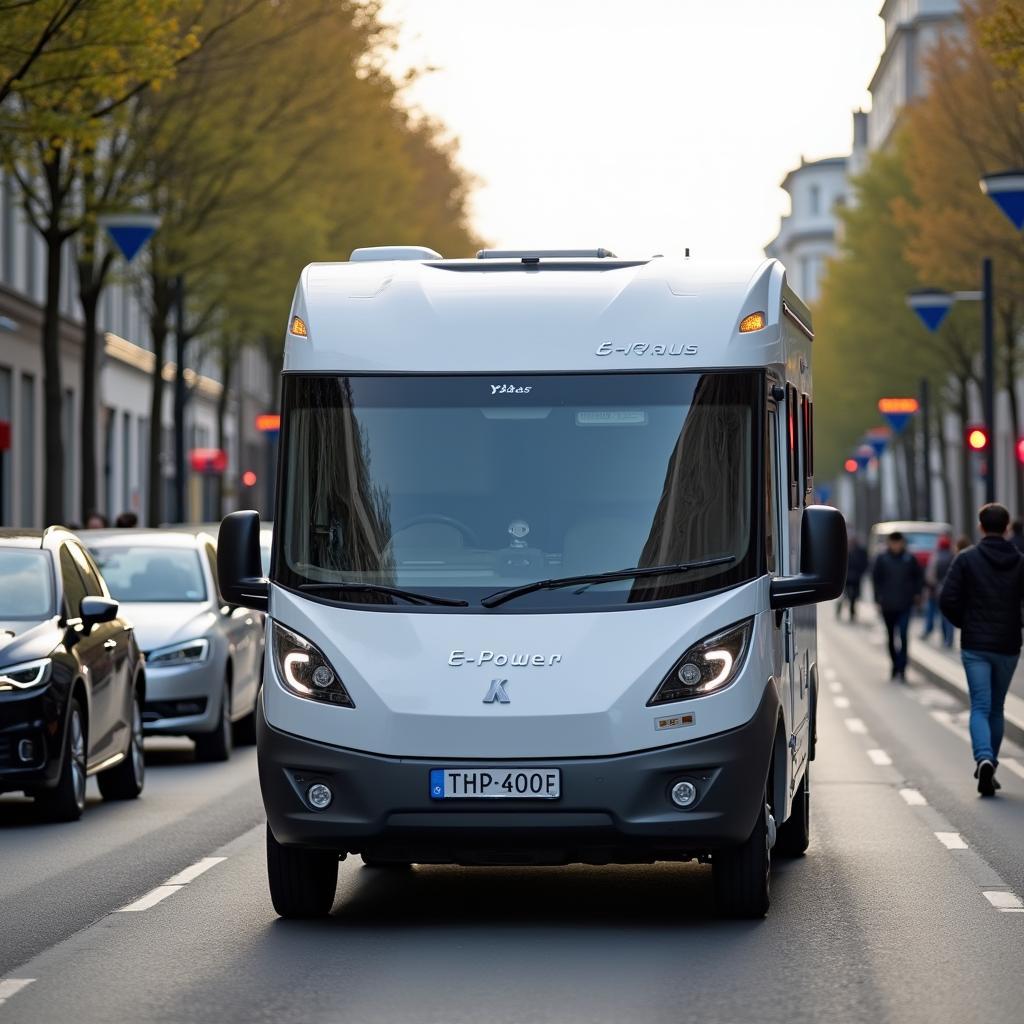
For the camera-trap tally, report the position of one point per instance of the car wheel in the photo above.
(303, 883)
(125, 780)
(742, 874)
(66, 801)
(795, 833)
(216, 745)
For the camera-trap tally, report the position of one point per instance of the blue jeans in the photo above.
(931, 613)
(988, 679)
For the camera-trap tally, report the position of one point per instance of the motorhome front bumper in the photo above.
(611, 809)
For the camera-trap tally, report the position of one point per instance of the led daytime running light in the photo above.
(26, 675)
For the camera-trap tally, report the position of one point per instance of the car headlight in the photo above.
(305, 671)
(707, 666)
(26, 675)
(190, 652)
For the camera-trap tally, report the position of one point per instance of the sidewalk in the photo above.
(941, 666)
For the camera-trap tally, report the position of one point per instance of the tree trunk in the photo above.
(910, 462)
(158, 329)
(91, 280)
(53, 391)
(1010, 369)
(944, 466)
(226, 366)
(966, 466)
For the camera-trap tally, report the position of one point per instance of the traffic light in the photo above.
(1020, 450)
(850, 466)
(977, 439)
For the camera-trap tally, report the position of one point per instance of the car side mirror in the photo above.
(94, 610)
(823, 554)
(239, 566)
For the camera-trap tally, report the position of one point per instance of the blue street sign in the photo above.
(863, 455)
(824, 493)
(897, 420)
(878, 443)
(130, 231)
(1006, 190)
(931, 305)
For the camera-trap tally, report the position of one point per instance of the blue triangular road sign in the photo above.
(932, 316)
(880, 443)
(1012, 204)
(897, 420)
(130, 238)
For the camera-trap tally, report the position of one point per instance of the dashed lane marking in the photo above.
(879, 757)
(1013, 764)
(914, 797)
(172, 885)
(841, 702)
(11, 986)
(951, 840)
(1004, 900)
(194, 871)
(836, 687)
(830, 674)
(947, 719)
(856, 725)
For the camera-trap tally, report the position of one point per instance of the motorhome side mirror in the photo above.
(94, 610)
(822, 561)
(239, 566)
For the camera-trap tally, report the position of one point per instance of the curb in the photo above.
(1013, 728)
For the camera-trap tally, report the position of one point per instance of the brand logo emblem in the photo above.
(497, 694)
(643, 348)
(503, 660)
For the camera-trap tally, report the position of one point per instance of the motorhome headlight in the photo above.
(707, 666)
(26, 675)
(305, 671)
(190, 652)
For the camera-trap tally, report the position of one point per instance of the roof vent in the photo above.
(393, 252)
(533, 255)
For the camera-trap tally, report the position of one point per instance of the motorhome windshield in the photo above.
(459, 486)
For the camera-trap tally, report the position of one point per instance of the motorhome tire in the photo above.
(302, 882)
(742, 874)
(794, 834)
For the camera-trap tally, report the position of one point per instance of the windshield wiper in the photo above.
(380, 588)
(501, 596)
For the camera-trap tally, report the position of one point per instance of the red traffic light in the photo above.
(249, 478)
(977, 439)
(851, 466)
(1020, 450)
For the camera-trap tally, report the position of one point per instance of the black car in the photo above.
(72, 679)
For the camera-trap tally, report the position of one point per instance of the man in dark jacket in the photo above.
(982, 594)
(897, 581)
(856, 567)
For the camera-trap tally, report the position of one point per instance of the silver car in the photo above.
(204, 657)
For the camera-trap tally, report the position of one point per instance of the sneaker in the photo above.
(985, 774)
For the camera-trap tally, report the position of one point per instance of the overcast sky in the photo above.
(640, 125)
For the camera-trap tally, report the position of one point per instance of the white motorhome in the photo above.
(543, 560)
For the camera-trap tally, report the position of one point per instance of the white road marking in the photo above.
(914, 797)
(10, 986)
(836, 687)
(951, 840)
(830, 674)
(1013, 764)
(856, 725)
(173, 884)
(841, 702)
(1003, 900)
(186, 876)
(879, 757)
(152, 898)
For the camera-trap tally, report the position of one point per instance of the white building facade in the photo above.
(123, 396)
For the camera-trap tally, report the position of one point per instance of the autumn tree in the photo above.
(969, 124)
(95, 62)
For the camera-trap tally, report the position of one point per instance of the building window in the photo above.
(126, 461)
(143, 464)
(30, 261)
(109, 440)
(69, 433)
(27, 449)
(815, 200)
(7, 222)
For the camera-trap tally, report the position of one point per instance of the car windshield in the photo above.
(26, 584)
(141, 573)
(460, 486)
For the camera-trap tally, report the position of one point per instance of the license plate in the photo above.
(495, 783)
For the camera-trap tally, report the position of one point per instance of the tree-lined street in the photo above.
(894, 914)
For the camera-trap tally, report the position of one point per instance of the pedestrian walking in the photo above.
(982, 595)
(934, 574)
(856, 568)
(897, 579)
(96, 521)
(126, 521)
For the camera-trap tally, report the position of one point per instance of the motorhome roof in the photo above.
(536, 311)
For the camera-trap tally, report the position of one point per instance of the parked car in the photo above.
(204, 657)
(922, 537)
(72, 677)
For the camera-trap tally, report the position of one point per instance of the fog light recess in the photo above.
(684, 794)
(26, 751)
(319, 796)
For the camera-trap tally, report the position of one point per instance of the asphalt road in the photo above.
(893, 915)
